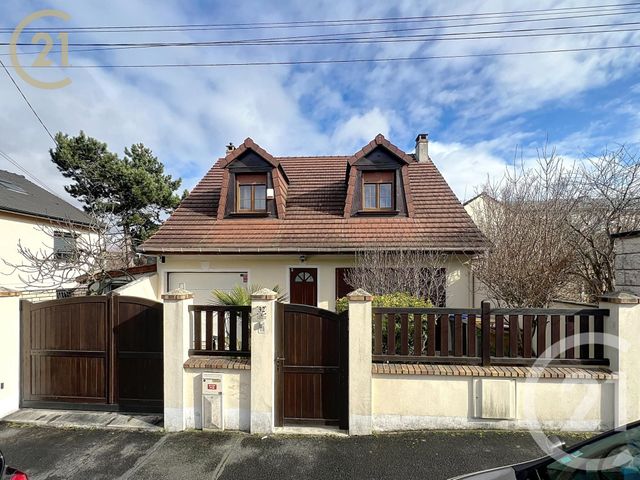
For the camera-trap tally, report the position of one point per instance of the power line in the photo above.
(342, 34)
(27, 101)
(348, 60)
(363, 38)
(338, 22)
(7, 157)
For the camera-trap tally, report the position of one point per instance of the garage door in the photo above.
(201, 284)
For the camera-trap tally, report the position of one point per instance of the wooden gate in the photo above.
(311, 366)
(100, 353)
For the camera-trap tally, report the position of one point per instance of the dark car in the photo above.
(610, 456)
(9, 473)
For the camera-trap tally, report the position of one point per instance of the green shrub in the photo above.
(398, 299)
(241, 295)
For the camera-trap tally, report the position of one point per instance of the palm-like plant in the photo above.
(241, 295)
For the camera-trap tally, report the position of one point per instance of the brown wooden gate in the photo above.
(311, 366)
(98, 352)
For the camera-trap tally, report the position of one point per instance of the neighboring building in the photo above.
(25, 209)
(627, 264)
(297, 222)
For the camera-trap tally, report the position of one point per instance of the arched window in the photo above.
(304, 277)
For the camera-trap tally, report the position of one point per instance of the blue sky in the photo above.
(477, 111)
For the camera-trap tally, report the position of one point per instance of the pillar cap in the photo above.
(620, 297)
(177, 294)
(7, 292)
(264, 294)
(359, 295)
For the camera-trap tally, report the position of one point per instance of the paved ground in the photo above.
(81, 419)
(57, 453)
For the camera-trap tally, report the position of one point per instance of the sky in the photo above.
(480, 112)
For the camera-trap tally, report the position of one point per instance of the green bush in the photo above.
(241, 295)
(398, 299)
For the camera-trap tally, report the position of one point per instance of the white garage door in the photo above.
(201, 284)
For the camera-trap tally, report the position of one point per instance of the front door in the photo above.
(303, 285)
(311, 366)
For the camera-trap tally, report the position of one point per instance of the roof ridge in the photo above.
(312, 156)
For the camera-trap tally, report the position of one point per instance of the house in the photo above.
(627, 263)
(29, 215)
(258, 219)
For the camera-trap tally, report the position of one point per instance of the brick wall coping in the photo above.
(588, 373)
(222, 363)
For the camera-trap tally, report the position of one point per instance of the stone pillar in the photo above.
(263, 309)
(177, 340)
(623, 350)
(360, 337)
(9, 351)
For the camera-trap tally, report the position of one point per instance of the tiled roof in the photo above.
(315, 220)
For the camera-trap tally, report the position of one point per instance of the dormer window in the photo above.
(251, 192)
(378, 191)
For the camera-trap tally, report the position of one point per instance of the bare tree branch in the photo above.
(418, 273)
(93, 253)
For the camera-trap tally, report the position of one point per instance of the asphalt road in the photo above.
(51, 453)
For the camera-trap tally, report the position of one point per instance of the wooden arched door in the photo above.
(303, 286)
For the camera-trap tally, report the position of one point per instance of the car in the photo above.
(9, 473)
(611, 455)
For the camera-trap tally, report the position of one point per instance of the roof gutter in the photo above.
(43, 217)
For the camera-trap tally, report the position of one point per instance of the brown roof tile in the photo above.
(314, 219)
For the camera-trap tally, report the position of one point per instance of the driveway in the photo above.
(55, 453)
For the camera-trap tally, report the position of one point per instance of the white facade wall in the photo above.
(28, 232)
(147, 286)
(9, 353)
(270, 270)
(406, 402)
(236, 398)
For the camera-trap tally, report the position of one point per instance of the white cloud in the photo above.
(475, 109)
(360, 129)
(465, 167)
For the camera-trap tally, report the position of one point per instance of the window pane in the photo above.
(261, 197)
(245, 197)
(370, 195)
(385, 195)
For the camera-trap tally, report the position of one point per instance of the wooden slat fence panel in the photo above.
(471, 335)
(514, 330)
(457, 337)
(499, 335)
(404, 334)
(431, 335)
(507, 336)
(417, 334)
(227, 335)
(377, 334)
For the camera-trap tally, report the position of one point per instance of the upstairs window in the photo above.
(378, 191)
(64, 245)
(251, 193)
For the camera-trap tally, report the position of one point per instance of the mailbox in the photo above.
(212, 402)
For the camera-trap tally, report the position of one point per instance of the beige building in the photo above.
(297, 222)
(34, 219)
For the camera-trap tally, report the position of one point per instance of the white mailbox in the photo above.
(212, 407)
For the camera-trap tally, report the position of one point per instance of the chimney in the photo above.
(422, 147)
(231, 147)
